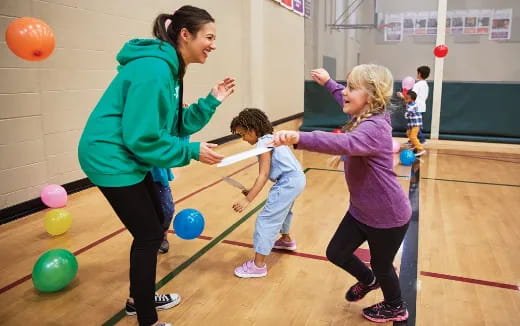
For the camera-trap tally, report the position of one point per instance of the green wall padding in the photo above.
(321, 111)
(470, 111)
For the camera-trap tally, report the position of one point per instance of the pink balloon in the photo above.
(54, 196)
(395, 146)
(408, 82)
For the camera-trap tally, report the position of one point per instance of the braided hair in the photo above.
(377, 82)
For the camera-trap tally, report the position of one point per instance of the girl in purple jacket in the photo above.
(379, 210)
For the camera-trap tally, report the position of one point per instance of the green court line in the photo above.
(121, 314)
(474, 182)
(434, 179)
(118, 316)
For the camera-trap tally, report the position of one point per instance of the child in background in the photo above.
(281, 167)
(421, 89)
(379, 211)
(414, 122)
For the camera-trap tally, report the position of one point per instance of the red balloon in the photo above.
(337, 131)
(30, 38)
(440, 51)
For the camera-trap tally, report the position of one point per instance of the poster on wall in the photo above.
(483, 21)
(431, 24)
(286, 3)
(501, 25)
(408, 23)
(307, 8)
(470, 22)
(457, 22)
(298, 7)
(394, 28)
(420, 23)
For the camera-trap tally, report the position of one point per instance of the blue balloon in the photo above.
(407, 157)
(188, 223)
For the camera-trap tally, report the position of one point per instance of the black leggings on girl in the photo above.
(383, 244)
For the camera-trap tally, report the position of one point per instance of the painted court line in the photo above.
(363, 254)
(213, 183)
(113, 234)
(77, 252)
(121, 314)
(474, 182)
(471, 280)
(490, 158)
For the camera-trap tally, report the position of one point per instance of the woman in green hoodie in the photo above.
(138, 124)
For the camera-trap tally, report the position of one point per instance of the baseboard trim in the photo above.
(34, 205)
(31, 206)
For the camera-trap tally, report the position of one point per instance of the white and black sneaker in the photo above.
(162, 302)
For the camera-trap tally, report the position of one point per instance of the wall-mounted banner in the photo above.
(298, 7)
(286, 3)
(501, 25)
(394, 27)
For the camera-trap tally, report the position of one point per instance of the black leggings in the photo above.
(138, 207)
(383, 244)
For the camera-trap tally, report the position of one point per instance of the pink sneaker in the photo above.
(281, 244)
(249, 269)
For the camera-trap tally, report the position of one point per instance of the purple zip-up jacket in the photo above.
(376, 198)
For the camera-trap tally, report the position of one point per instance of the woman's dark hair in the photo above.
(252, 119)
(189, 17)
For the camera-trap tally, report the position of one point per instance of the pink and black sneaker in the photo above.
(383, 312)
(359, 290)
(285, 245)
(249, 270)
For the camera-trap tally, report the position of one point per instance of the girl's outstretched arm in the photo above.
(322, 77)
(363, 141)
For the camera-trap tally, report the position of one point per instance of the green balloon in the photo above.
(54, 270)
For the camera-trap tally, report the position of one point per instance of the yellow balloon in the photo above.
(57, 221)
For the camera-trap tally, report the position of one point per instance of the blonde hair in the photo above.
(377, 82)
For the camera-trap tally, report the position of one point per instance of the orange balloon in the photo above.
(30, 38)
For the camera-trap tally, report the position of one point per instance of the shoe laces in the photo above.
(358, 288)
(162, 297)
(380, 305)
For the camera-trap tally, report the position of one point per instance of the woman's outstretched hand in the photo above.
(207, 155)
(223, 89)
(285, 137)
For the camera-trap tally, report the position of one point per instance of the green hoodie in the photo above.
(134, 127)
